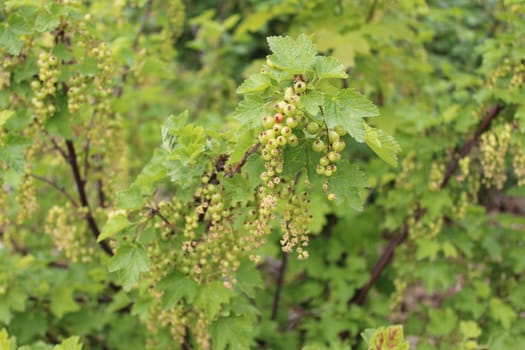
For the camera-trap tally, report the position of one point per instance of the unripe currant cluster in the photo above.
(494, 146)
(464, 165)
(76, 94)
(48, 76)
(329, 142)
(518, 163)
(102, 81)
(62, 225)
(211, 201)
(26, 199)
(278, 132)
(171, 214)
(295, 221)
(437, 171)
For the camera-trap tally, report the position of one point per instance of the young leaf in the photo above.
(346, 184)
(329, 67)
(295, 56)
(385, 146)
(250, 111)
(46, 22)
(177, 286)
(210, 298)
(71, 343)
(116, 223)
(255, 83)
(348, 108)
(128, 263)
(233, 331)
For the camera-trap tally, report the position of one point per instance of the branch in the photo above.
(361, 294)
(57, 187)
(80, 183)
(371, 12)
(280, 281)
(238, 166)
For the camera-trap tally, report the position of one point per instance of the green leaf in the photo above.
(442, 322)
(348, 108)
(72, 343)
(329, 67)
(63, 302)
(255, 83)
(385, 146)
(128, 263)
(311, 102)
(4, 116)
(12, 152)
(210, 298)
(346, 183)
(502, 312)
(250, 111)
(235, 332)
(294, 56)
(10, 41)
(248, 279)
(385, 338)
(469, 329)
(46, 21)
(177, 286)
(116, 223)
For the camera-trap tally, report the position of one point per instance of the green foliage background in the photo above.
(95, 264)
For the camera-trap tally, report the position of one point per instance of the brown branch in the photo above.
(361, 294)
(57, 187)
(372, 11)
(279, 287)
(80, 184)
(238, 166)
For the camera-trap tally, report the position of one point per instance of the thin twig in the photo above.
(278, 289)
(238, 166)
(361, 294)
(80, 183)
(57, 187)
(371, 12)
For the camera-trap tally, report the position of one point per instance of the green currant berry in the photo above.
(292, 122)
(324, 161)
(277, 129)
(338, 146)
(290, 110)
(293, 140)
(288, 93)
(299, 86)
(281, 140)
(318, 146)
(319, 169)
(312, 128)
(295, 99)
(333, 136)
(286, 131)
(280, 106)
(328, 173)
(263, 138)
(340, 130)
(332, 196)
(333, 156)
(267, 122)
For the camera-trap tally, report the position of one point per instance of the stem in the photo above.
(80, 184)
(238, 166)
(57, 187)
(278, 289)
(372, 11)
(361, 294)
(142, 24)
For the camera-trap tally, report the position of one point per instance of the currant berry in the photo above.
(338, 146)
(318, 146)
(293, 140)
(312, 128)
(300, 86)
(267, 122)
(332, 196)
(280, 106)
(319, 169)
(333, 136)
(324, 161)
(286, 131)
(340, 130)
(277, 129)
(292, 122)
(281, 140)
(290, 110)
(333, 156)
(278, 118)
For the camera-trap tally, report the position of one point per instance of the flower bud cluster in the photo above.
(294, 224)
(494, 146)
(77, 93)
(464, 164)
(26, 199)
(435, 177)
(518, 163)
(48, 71)
(62, 226)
